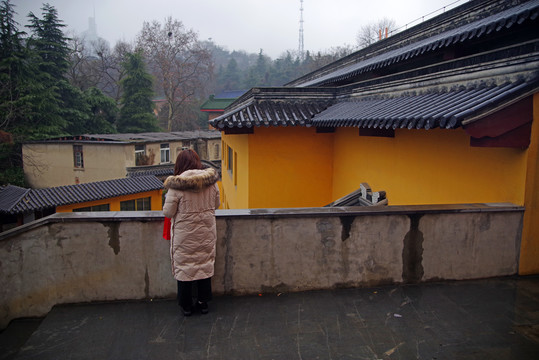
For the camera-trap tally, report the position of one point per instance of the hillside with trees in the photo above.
(54, 85)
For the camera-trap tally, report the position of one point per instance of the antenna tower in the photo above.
(300, 46)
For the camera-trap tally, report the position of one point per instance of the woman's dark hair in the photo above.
(187, 160)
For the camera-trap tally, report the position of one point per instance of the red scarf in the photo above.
(166, 229)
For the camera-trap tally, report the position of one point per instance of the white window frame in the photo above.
(78, 157)
(165, 153)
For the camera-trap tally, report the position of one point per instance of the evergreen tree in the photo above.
(136, 113)
(258, 75)
(49, 42)
(103, 112)
(230, 77)
(13, 76)
(48, 55)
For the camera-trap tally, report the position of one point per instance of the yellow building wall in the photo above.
(290, 167)
(51, 164)
(156, 201)
(529, 248)
(428, 167)
(235, 183)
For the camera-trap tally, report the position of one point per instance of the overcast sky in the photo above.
(250, 25)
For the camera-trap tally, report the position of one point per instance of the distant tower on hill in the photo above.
(90, 37)
(300, 46)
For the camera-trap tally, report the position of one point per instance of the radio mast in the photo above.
(300, 46)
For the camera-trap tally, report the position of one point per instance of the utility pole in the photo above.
(300, 46)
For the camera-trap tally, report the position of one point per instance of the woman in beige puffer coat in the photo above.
(191, 200)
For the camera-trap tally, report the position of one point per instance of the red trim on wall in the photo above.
(509, 127)
(517, 138)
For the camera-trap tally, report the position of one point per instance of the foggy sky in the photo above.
(250, 25)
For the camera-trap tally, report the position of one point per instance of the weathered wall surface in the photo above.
(82, 257)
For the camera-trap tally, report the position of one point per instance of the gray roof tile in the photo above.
(444, 109)
(143, 137)
(10, 196)
(39, 199)
(497, 22)
(271, 113)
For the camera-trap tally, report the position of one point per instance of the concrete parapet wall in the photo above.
(83, 257)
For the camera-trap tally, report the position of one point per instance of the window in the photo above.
(143, 204)
(165, 153)
(129, 205)
(235, 169)
(78, 160)
(140, 155)
(230, 159)
(102, 207)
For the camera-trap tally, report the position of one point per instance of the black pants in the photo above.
(185, 292)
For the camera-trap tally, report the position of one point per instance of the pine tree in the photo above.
(103, 112)
(136, 112)
(230, 76)
(12, 67)
(48, 55)
(13, 76)
(49, 42)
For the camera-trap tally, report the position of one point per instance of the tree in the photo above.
(179, 62)
(103, 112)
(230, 77)
(83, 72)
(136, 113)
(48, 114)
(13, 69)
(370, 33)
(98, 66)
(49, 42)
(258, 74)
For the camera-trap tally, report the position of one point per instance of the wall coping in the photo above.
(143, 216)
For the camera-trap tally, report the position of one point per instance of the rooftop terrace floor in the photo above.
(483, 319)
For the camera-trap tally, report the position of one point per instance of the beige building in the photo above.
(90, 158)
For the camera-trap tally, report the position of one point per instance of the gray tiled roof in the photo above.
(436, 107)
(444, 109)
(39, 199)
(271, 113)
(514, 16)
(10, 196)
(144, 137)
(156, 170)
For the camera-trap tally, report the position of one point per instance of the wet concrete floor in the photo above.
(483, 319)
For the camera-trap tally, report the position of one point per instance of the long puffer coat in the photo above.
(190, 203)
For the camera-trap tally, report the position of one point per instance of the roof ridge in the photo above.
(473, 29)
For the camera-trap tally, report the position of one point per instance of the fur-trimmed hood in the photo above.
(192, 180)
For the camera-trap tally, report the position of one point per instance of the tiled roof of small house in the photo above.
(214, 104)
(164, 170)
(222, 100)
(141, 137)
(160, 171)
(10, 195)
(39, 199)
